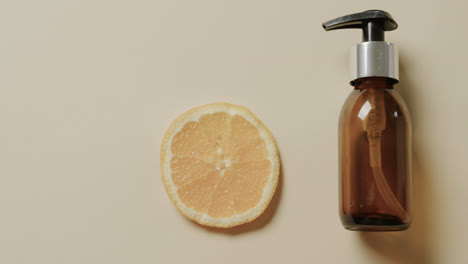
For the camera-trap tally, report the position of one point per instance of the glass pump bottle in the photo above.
(374, 132)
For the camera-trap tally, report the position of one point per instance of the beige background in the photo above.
(89, 87)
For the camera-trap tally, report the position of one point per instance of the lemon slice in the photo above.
(220, 165)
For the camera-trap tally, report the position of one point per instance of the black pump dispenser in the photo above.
(373, 23)
(374, 57)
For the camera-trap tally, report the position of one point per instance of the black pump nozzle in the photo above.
(373, 23)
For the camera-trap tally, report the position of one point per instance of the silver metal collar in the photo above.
(374, 59)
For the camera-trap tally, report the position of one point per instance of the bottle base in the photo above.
(373, 222)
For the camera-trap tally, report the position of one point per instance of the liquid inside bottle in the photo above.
(375, 158)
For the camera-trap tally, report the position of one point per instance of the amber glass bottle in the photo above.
(375, 158)
(374, 131)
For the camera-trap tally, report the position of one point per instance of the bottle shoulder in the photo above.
(360, 102)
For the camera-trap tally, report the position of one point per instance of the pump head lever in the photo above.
(372, 22)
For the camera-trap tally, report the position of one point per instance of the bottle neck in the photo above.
(373, 82)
